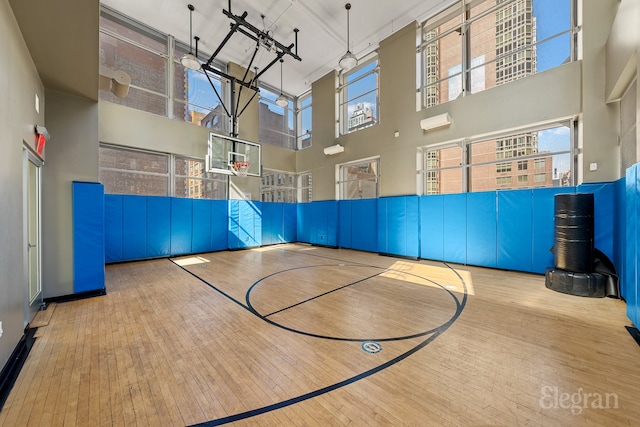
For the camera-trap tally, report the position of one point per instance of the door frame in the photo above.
(32, 304)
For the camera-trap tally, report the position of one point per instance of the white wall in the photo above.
(19, 83)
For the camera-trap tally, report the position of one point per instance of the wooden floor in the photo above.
(274, 337)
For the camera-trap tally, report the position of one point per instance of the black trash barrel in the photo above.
(573, 232)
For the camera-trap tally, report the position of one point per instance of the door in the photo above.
(33, 293)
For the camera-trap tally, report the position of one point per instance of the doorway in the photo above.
(33, 256)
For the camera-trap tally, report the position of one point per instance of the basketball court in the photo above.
(297, 334)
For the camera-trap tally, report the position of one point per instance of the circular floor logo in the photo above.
(371, 347)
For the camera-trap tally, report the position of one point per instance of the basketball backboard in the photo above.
(223, 151)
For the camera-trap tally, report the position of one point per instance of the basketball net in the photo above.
(241, 168)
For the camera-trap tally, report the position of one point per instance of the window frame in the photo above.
(466, 164)
(343, 99)
(429, 87)
(289, 140)
(171, 46)
(170, 176)
(341, 193)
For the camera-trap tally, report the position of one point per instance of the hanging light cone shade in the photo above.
(281, 101)
(348, 60)
(189, 60)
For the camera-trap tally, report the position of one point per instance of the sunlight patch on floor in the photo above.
(194, 260)
(430, 275)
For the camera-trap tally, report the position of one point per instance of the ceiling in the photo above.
(322, 39)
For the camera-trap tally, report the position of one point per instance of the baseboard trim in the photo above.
(14, 365)
(634, 333)
(76, 297)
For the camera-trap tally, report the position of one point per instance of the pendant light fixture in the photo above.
(281, 101)
(348, 60)
(188, 60)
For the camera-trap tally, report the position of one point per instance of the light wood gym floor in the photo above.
(274, 336)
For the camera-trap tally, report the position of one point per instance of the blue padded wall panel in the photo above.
(620, 231)
(364, 225)
(432, 227)
(303, 222)
(219, 224)
(319, 225)
(181, 226)
(134, 227)
(290, 222)
(603, 198)
(344, 224)
(234, 224)
(455, 228)
(515, 228)
(272, 223)
(290, 213)
(482, 229)
(383, 226)
(324, 223)
(158, 227)
(245, 224)
(113, 227)
(398, 225)
(88, 236)
(632, 240)
(543, 206)
(201, 238)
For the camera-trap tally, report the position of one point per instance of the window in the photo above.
(148, 173)
(287, 187)
(125, 171)
(140, 52)
(304, 122)
(358, 180)
(443, 170)
(276, 124)
(159, 83)
(473, 46)
(359, 97)
(532, 157)
(191, 180)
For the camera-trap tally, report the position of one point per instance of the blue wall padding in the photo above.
(88, 236)
(454, 222)
(290, 214)
(603, 214)
(201, 240)
(245, 224)
(134, 227)
(113, 227)
(515, 228)
(181, 226)
(482, 229)
(432, 227)
(303, 222)
(631, 286)
(344, 223)
(398, 225)
(272, 223)
(543, 208)
(219, 224)
(323, 222)
(620, 231)
(364, 220)
(158, 227)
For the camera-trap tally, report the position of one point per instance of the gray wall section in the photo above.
(19, 83)
(72, 155)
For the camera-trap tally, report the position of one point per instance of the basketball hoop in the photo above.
(241, 168)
